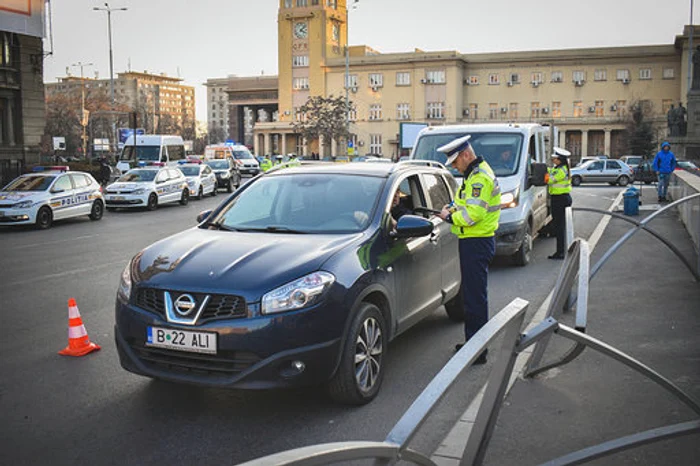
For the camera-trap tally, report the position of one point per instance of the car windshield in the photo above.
(151, 153)
(138, 176)
(189, 170)
(30, 183)
(500, 150)
(217, 164)
(303, 203)
(242, 154)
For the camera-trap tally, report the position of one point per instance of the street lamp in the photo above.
(83, 111)
(111, 61)
(347, 73)
(690, 48)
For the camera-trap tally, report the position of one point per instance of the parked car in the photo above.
(201, 179)
(688, 166)
(149, 187)
(263, 294)
(632, 160)
(644, 172)
(48, 194)
(614, 172)
(228, 176)
(588, 159)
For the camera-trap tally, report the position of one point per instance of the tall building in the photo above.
(586, 93)
(22, 114)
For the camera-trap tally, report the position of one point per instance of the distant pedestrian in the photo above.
(559, 187)
(664, 164)
(474, 216)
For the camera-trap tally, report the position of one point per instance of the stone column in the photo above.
(584, 142)
(284, 143)
(607, 143)
(334, 147)
(321, 151)
(267, 143)
(256, 144)
(562, 138)
(304, 147)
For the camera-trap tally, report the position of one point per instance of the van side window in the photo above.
(176, 152)
(532, 149)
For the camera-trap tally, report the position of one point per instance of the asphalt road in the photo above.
(58, 410)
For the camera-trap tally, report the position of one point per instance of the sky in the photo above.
(203, 39)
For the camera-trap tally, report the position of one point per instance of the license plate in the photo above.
(117, 198)
(181, 340)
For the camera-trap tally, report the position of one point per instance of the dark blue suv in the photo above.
(301, 277)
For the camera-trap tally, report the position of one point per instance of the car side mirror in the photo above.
(412, 226)
(203, 215)
(57, 190)
(537, 174)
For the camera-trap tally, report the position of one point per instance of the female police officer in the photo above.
(474, 217)
(559, 187)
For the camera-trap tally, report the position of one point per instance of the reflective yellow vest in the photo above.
(265, 165)
(478, 204)
(559, 181)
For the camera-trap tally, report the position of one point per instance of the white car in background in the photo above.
(48, 194)
(201, 179)
(149, 187)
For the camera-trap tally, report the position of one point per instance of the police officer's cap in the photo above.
(560, 153)
(453, 148)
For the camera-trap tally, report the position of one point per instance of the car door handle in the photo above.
(434, 236)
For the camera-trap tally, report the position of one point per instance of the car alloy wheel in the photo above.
(152, 202)
(623, 180)
(44, 218)
(97, 210)
(576, 180)
(185, 197)
(200, 194)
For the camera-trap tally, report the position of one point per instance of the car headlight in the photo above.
(124, 290)
(225, 175)
(510, 199)
(298, 294)
(23, 205)
(191, 183)
(139, 191)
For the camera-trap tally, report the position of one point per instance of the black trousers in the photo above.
(475, 255)
(559, 204)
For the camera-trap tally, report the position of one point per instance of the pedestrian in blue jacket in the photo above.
(664, 164)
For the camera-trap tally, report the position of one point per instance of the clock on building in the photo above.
(336, 32)
(301, 30)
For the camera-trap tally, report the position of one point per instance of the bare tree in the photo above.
(640, 136)
(323, 116)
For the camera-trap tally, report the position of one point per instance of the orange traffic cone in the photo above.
(78, 342)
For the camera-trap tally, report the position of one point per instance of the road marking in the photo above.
(54, 242)
(452, 447)
(62, 274)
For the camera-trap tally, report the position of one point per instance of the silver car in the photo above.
(602, 171)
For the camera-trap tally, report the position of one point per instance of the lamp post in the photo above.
(83, 111)
(111, 60)
(347, 73)
(690, 48)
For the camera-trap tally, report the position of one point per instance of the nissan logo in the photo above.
(184, 304)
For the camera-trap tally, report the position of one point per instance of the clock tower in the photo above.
(309, 33)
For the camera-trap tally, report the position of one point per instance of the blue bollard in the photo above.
(631, 201)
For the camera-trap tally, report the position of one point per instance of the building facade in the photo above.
(586, 93)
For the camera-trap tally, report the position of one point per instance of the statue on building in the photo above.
(682, 118)
(276, 115)
(262, 115)
(696, 70)
(673, 122)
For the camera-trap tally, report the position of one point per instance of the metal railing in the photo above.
(575, 271)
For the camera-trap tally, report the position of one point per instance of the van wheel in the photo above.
(623, 180)
(361, 370)
(185, 197)
(455, 308)
(152, 202)
(576, 180)
(44, 218)
(97, 210)
(522, 256)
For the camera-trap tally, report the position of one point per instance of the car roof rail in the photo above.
(426, 163)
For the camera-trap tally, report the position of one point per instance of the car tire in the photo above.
(44, 218)
(623, 180)
(576, 181)
(152, 202)
(523, 255)
(229, 186)
(455, 308)
(361, 369)
(647, 182)
(215, 191)
(185, 198)
(200, 194)
(97, 210)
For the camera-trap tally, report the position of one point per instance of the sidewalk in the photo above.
(645, 303)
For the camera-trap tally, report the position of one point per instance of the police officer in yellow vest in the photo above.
(474, 217)
(559, 187)
(266, 163)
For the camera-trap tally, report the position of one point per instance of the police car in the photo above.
(201, 179)
(148, 186)
(48, 194)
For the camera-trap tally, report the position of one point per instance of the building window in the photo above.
(534, 109)
(514, 78)
(332, 3)
(600, 75)
(375, 112)
(579, 76)
(494, 79)
(557, 77)
(669, 73)
(473, 80)
(299, 116)
(623, 75)
(375, 144)
(351, 80)
(352, 114)
(513, 111)
(556, 109)
(599, 108)
(537, 78)
(436, 110)
(300, 83)
(493, 111)
(474, 111)
(645, 73)
(435, 76)
(302, 2)
(403, 78)
(376, 80)
(666, 105)
(403, 111)
(578, 108)
(287, 3)
(299, 61)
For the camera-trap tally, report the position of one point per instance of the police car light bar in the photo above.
(56, 168)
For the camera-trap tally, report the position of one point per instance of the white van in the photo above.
(517, 153)
(151, 148)
(244, 160)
